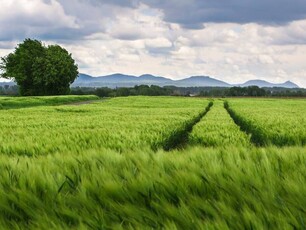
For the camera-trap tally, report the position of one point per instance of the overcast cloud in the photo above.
(232, 40)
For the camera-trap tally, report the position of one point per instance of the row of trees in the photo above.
(252, 91)
(122, 92)
(153, 90)
(39, 69)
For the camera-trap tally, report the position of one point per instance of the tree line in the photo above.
(153, 90)
(251, 91)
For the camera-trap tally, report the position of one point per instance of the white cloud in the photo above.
(158, 43)
(293, 33)
(35, 14)
(109, 38)
(265, 59)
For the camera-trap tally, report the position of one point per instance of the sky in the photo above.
(231, 40)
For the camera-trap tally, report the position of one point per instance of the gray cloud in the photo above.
(7, 45)
(56, 19)
(191, 14)
(77, 19)
(265, 39)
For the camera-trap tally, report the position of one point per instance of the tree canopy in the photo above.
(39, 69)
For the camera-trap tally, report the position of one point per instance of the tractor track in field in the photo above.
(180, 138)
(257, 137)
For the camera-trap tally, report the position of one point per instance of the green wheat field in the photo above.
(152, 163)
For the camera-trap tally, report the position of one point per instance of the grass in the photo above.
(271, 121)
(119, 123)
(232, 188)
(24, 102)
(105, 166)
(217, 129)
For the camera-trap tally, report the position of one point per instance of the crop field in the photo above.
(115, 124)
(218, 129)
(23, 102)
(152, 162)
(272, 122)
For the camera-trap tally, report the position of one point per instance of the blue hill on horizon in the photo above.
(122, 80)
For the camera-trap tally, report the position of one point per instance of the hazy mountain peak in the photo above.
(119, 75)
(153, 78)
(146, 76)
(202, 81)
(199, 77)
(290, 84)
(84, 76)
(122, 80)
(263, 83)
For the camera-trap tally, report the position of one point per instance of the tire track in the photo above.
(258, 138)
(179, 138)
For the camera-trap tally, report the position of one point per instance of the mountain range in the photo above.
(10, 83)
(121, 80)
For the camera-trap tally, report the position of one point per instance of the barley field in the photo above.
(152, 163)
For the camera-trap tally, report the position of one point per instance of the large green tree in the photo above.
(39, 69)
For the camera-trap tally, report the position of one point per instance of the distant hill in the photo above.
(201, 81)
(10, 83)
(84, 78)
(122, 80)
(262, 83)
(149, 77)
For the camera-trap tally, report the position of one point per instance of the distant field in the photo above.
(23, 102)
(272, 122)
(152, 162)
(217, 128)
(119, 123)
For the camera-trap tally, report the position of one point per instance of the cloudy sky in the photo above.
(232, 40)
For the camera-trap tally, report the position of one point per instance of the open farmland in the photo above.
(218, 129)
(118, 124)
(24, 102)
(271, 122)
(129, 163)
